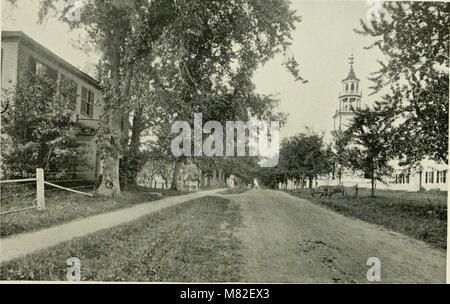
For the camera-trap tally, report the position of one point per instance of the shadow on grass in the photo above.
(62, 207)
(419, 215)
(230, 191)
(190, 242)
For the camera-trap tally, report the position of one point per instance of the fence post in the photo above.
(40, 188)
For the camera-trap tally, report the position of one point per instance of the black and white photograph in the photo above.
(223, 142)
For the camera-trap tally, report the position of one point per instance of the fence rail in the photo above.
(67, 189)
(17, 180)
(40, 182)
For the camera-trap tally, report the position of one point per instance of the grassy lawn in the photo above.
(192, 241)
(63, 206)
(420, 215)
(234, 191)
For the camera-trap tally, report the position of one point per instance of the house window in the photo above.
(353, 87)
(87, 102)
(71, 86)
(402, 178)
(429, 177)
(441, 177)
(346, 87)
(39, 68)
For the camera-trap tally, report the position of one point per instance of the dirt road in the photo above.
(287, 239)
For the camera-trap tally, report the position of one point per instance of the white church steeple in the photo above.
(349, 99)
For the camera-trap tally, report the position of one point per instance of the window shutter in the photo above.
(83, 109)
(52, 74)
(91, 104)
(32, 65)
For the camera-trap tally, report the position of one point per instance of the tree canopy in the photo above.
(414, 38)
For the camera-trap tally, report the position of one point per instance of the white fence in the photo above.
(38, 191)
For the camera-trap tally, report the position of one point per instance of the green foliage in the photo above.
(38, 127)
(302, 156)
(370, 146)
(200, 53)
(414, 37)
(340, 156)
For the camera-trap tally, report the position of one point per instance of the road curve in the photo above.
(287, 239)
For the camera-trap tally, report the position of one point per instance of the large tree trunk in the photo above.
(176, 175)
(221, 182)
(214, 178)
(135, 141)
(110, 186)
(373, 185)
(110, 180)
(202, 179)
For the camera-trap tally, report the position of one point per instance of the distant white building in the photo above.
(429, 175)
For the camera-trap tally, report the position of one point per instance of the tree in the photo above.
(38, 123)
(123, 32)
(302, 156)
(370, 147)
(414, 37)
(308, 156)
(209, 38)
(148, 105)
(165, 170)
(147, 174)
(340, 155)
(216, 46)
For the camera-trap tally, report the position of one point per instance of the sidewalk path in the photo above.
(22, 244)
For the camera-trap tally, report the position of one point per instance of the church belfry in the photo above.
(349, 99)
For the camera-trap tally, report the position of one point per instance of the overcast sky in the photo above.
(322, 43)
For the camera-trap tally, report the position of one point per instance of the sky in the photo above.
(322, 43)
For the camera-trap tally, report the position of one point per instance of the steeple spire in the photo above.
(351, 74)
(351, 60)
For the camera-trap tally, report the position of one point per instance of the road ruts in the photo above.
(287, 239)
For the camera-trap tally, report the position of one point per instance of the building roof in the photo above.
(351, 75)
(23, 38)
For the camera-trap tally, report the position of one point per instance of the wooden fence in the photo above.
(40, 190)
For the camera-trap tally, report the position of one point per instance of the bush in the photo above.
(37, 127)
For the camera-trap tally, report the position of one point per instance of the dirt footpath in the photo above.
(287, 239)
